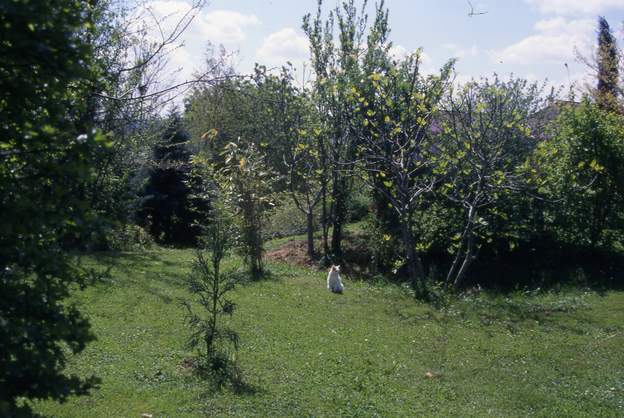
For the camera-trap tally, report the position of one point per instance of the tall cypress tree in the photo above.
(607, 62)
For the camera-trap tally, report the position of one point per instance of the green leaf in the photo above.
(48, 129)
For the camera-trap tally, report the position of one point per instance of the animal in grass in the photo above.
(334, 282)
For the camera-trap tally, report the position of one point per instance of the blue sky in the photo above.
(531, 38)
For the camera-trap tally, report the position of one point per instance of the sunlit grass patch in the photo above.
(373, 351)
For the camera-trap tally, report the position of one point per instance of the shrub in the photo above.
(285, 220)
(359, 204)
(210, 337)
(129, 237)
(247, 182)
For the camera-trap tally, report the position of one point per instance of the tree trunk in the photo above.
(464, 251)
(601, 209)
(468, 258)
(336, 242)
(451, 272)
(310, 229)
(215, 305)
(324, 220)
(324, 180)
(339, 197)
(450, 277)
(414, 264)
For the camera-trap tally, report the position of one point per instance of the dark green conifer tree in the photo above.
(167, 208)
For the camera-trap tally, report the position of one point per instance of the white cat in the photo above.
(334, 282)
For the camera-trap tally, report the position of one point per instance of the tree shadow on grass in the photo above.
(516, 312)
(226, 375)
(244, 278)
(139, 259)
(164, 298)
(132, 265)
(21, 411)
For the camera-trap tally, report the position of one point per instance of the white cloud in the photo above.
(165, 8)
(182, 64)
(399, 52)
(568, 7)
(187, 54)
(284, 45)
(425, 59)
(461, 79)
(556, 41)
(158, 18)
(461, 52)
(225, 26)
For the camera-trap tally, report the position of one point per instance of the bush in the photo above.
(359, 204)
(584, 174)
(385, 247)
(285, 220)
(247, 182)
(116, 237)
(129, 237)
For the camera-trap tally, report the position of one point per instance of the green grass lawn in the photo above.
(307, 352)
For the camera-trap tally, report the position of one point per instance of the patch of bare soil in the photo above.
(356, 254)
(293, 252)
